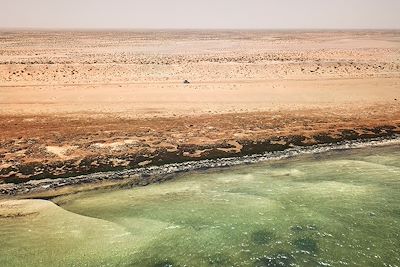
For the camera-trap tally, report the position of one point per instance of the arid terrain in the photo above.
(81, 102)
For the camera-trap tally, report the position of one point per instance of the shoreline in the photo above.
(103, 108)
(49, 188)
(151, 144)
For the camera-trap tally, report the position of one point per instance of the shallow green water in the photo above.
(333, 209)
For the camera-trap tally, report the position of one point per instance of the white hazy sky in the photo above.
(268, 14)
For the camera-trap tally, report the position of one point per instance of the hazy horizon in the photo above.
(198, 15)
(193, 29)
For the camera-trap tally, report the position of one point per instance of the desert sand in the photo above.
(80, 102)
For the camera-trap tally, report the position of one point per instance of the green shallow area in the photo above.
(333, 209)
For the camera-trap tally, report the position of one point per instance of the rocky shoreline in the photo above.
(133, 154)
(82, 110)
(147, 175)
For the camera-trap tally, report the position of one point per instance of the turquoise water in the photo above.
(333, 209)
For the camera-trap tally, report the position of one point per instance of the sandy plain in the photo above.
(80, 102)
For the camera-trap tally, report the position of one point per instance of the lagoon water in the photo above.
(333, 209)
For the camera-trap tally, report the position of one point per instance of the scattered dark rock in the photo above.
(350, 134)
(325, 138)
(372, 214)
(312, 227)
(296, 228)
(306, 244)
(299, 228)
(186, 82)
(262, 237)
